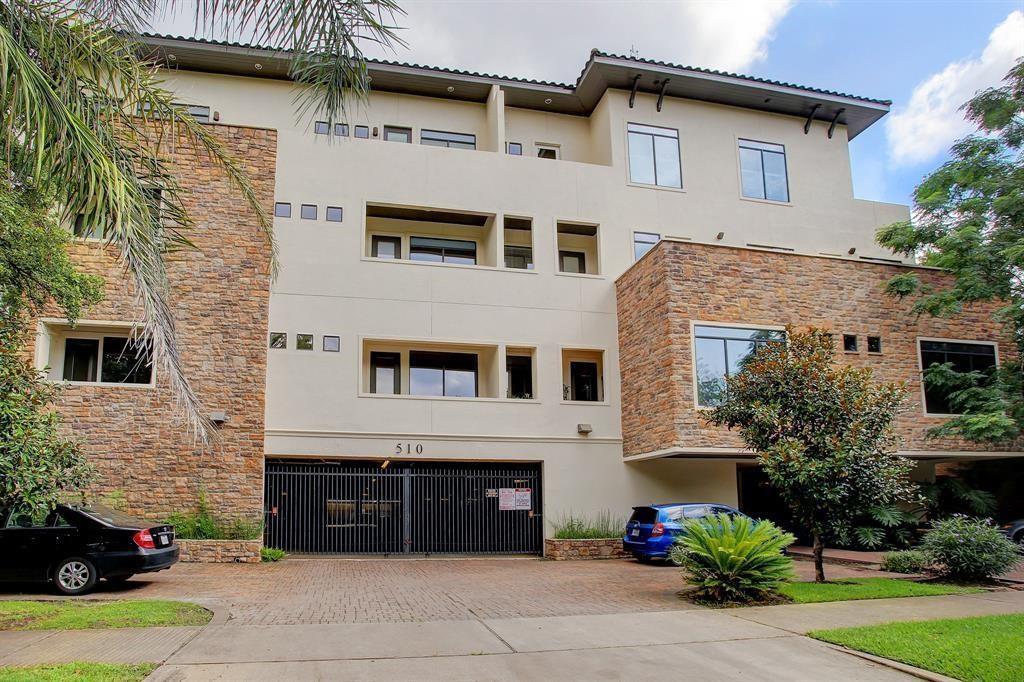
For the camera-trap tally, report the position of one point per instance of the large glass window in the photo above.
(654, 156)
(385, 373)
(721, 353)
(443, 374)
(434, 250)
(109, 360)
(643, 242)
(763, 170)
(437, 138)
(964, 358)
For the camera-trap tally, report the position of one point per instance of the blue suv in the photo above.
(651, 531)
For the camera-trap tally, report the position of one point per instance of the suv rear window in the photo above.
(644, 515)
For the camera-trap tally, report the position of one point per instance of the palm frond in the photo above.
(71, 90)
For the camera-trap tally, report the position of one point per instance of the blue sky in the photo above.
(927, 57)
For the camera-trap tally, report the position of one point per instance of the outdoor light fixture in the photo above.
(584, 429)
(853, 250)
(218, 417)
(720, 235)
(257, 66)
(547, 101)
(171, 58)
(385, 464)
(451, 89)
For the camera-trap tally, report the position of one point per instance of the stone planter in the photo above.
(574, 550)
(220, 551)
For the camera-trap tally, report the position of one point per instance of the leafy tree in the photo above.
(37, 463)
(823, 433)
(968, 218)
(85, 115)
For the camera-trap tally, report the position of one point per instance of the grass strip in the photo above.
(90, 614)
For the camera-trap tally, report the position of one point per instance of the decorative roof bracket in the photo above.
(632, 94)
(661, 95)
(810, 117)
(835, 119)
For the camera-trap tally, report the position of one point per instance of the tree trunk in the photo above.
(819, 563)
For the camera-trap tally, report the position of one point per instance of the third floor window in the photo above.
(763, 171)
(437, 138)
(654, 156)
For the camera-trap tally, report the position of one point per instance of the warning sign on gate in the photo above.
(506, 499)
(524, 498)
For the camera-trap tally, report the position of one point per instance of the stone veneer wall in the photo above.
(220, 296)
(220, 551)
(571, 550)
(677, 282)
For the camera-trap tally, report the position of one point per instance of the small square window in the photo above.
(321, 128)
(874, 344)
(282, 210)
(332, 344)
(303, 342)
(386, 247)
(341, 129)
(514, 148)
(333, 214)
(278, 340)
(308, 212)
(849, 343)
(363, 132)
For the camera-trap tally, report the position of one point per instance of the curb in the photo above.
(919, 673)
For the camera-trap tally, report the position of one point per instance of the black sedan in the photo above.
(73, 546)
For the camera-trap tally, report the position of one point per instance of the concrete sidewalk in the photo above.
(759, 643)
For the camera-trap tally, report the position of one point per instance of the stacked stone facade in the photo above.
(677, 284)
(135, 435)
(585, 549)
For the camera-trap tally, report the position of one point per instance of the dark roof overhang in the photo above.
(602, 71)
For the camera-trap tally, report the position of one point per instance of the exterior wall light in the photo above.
(219, 417)
(853, 250)
(584, 429)
(720, 236)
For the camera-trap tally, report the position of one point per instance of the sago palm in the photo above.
(86, 119)
(733, 559)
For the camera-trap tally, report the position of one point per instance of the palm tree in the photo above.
(85, 118)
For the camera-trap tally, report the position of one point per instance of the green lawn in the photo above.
(79, 672)
(985, 649)
(867, 588)
(87, 614)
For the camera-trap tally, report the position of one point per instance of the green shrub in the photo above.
(271, 554)
(905, 561)
(602, 525)
(201, 524)
(969, 549)
(733, 559)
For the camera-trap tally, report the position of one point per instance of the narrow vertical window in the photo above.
(386, 247)
(385, 373)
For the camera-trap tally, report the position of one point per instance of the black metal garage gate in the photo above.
(408, 507)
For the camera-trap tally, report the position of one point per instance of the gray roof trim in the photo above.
(602, 72)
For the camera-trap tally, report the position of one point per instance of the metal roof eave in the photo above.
(602, 72)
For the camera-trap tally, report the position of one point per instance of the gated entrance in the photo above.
(408, 507)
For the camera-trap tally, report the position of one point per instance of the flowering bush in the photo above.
(969, 549)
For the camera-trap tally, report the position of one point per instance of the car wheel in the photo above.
(74, 575)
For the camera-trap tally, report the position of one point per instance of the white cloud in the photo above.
(932, 119)
(552, 40)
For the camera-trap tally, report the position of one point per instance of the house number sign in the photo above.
(408, 448)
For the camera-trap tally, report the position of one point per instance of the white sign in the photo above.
(523, 498)
(506, 499)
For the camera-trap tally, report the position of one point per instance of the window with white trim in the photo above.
(105, 358)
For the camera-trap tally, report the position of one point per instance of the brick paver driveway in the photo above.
(303, 590)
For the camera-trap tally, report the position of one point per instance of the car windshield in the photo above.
(113, 516)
